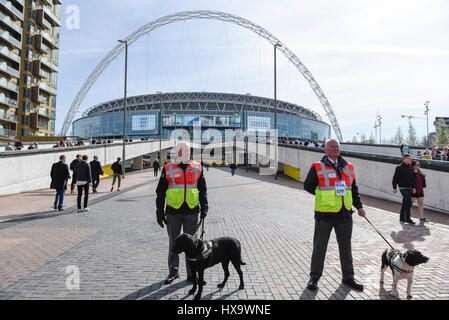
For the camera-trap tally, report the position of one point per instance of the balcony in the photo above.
(7, 133)
(50, 41)
(8, 70)
(41, 20)
(49, 64)
(45, 87)
(10, 118)
(8, 102)
(11, 40)
(5, 52)
(37, 97)
(39, 72)
(9, 23)
(7, 5)
(9, 86)
(55, 20)
(44, 113)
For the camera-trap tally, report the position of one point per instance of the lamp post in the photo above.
(275, 112)
(125, 105)
(427, 116)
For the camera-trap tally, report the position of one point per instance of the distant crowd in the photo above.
(441, 154)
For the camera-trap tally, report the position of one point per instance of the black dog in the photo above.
(202, 255)
(402, 266)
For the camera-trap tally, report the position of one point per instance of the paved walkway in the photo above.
(121, 252)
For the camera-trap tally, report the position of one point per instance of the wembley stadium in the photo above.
(147, 115)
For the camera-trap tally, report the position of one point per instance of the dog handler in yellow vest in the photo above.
(332, 181)
(181, 196)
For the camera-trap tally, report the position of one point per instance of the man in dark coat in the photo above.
(117, 170)
(97, 171)
(59, 176)
(156, 167)
(405, 178)
(83, 178)
(73, 165)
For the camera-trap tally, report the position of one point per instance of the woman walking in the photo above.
(419, 186)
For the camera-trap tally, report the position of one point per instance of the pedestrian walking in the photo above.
(97, 171)
(434, 152)
(405, 149)
(156, 167)
(18, 145)
(233, 168)
(83, 180)
(117, 173)
(420, 184)
(8, 147)
(181, 197)
(332, 181)
(404, 177)
(59, 178)
(73, 166)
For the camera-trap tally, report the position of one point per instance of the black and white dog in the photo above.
(402, 266)
(202, 255)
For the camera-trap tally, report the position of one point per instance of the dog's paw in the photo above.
(241, 287)
(409, 296)
(197, 297)
(192, 291)
(394, 294)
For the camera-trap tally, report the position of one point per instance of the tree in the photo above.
(399, 137)
(442, 134)
(372, 139)
(412, 139)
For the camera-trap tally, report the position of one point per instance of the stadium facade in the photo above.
(147, 114)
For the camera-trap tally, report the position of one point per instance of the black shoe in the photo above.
(312, 284)
(171, 278)
(190, 279)
(55, 207)
(410, 221)
(353, 284)
(61, 209)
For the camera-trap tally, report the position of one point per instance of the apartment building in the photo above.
(39, 68)
(11, 33)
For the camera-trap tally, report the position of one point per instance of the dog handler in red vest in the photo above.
(181, 196)
(332, 181)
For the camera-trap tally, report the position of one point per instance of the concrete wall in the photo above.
(23, 171)
(374, 178)
(388, 150)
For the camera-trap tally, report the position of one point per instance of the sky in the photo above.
(369, 57)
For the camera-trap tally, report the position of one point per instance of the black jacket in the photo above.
(163, 186)
(404, 177)
(95, 169)
(156, 165)
(59, 175)
(73, 164)
(82, 172)
(117, 168)
(311, 184)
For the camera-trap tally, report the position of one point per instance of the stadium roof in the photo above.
(201, 101)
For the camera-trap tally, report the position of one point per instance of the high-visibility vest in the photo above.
(326, 199)
(182, 186)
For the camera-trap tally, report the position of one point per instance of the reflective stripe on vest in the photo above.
(326, 199)
(182, 186)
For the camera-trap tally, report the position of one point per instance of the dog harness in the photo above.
(395, 267)
(205, 253)
(333, 192)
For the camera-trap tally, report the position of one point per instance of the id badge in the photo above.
(340, 188)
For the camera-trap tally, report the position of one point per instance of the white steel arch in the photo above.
(211, 15)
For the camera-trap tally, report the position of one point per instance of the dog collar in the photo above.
(396, 267)
(207, 250)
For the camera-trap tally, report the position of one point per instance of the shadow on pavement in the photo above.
(409, 234)
(308, 294)
(340, 293)
(156, 291)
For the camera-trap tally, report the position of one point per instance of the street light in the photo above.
(427, 115)
(275, 111)
(125, 104)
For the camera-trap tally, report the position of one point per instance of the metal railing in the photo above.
(7, 132)
(9, 101)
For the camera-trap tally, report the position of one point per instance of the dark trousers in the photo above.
(406, 203)
(59, 198)
(174, 223)
(84, 187)
(343, 231)
(156, 171)
(95, 182)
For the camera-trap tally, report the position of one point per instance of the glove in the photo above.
(161, 219)
(203, 215)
